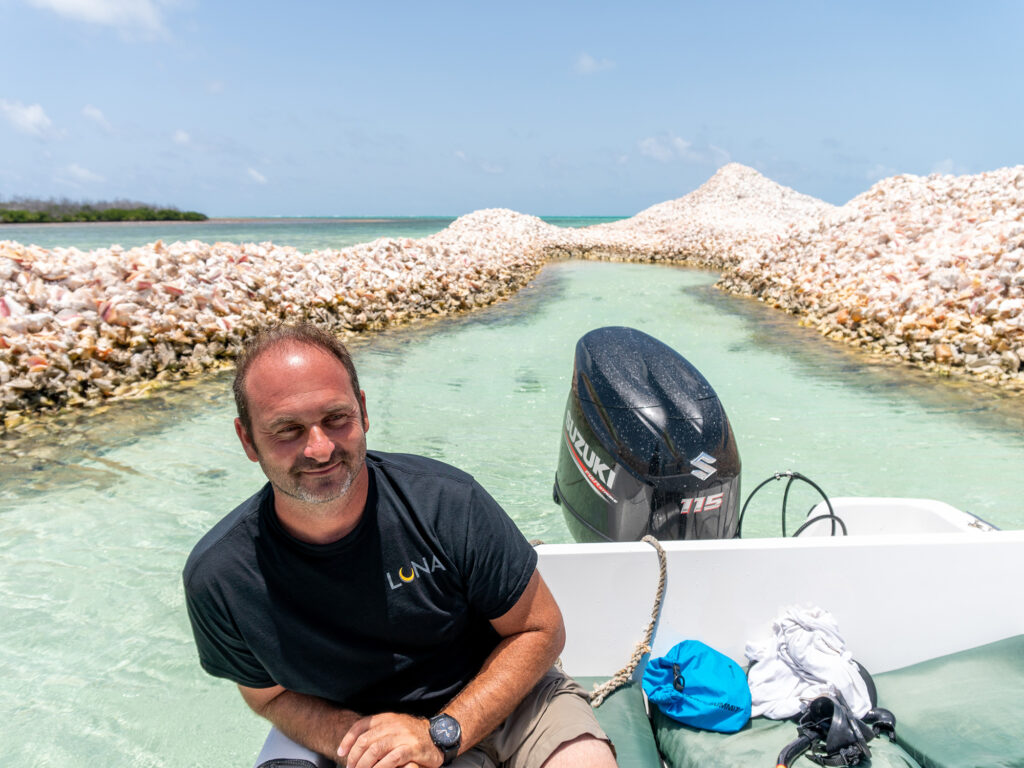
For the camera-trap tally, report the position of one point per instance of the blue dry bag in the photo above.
(699, 686)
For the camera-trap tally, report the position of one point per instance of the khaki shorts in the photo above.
(557, 710)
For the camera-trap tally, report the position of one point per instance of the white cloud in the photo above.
(460, 155)
(878, 171)
(181, 137)
(588, 65)
(144, 15)
(83, 175)
(657, 148)
(668, 147)
(944, 166)
(491, 168)
(96, 115)
(256, 176)
(30, 119)
(215, 86)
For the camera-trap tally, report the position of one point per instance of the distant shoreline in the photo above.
(227, 220)
(42, 224)
(267, 220)
(339, 219)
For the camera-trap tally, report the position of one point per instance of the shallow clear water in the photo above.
(304, 234)
(97, 516)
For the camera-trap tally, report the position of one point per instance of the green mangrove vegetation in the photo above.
(25, 210)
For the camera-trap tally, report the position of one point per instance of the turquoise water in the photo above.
(97, 517)
(304, 234)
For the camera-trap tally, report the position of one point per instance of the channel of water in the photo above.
(98, 514)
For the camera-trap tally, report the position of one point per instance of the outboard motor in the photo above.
(646, 446)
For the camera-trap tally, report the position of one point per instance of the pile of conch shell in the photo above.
(77, 328)
(929, 269)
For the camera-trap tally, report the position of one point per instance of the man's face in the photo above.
(308, 425)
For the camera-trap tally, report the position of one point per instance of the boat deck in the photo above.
(963, 710)
(934, 616)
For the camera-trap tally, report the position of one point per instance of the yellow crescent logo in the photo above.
(403, 577)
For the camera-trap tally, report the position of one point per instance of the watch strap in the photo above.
(450, 753)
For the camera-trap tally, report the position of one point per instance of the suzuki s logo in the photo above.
(704, 466)
(597, 474)
(416, 569)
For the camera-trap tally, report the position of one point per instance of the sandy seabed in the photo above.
(926, 269)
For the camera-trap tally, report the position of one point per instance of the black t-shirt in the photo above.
(393, 617)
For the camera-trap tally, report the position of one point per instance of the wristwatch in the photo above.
(446, 734)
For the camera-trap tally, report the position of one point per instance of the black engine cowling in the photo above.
(646, 446)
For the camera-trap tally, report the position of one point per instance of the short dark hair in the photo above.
(305, 334)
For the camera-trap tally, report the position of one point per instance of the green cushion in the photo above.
(964, 710)
(624, 719)
(758, 743)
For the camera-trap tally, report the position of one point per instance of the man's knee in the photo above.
(583, 750)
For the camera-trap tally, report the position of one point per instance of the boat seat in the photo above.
(964, 710)
(758, 743)
(624, 718)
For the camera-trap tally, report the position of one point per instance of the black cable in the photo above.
(828, 503)
(743, 511)
(835, 519)
(785, 498)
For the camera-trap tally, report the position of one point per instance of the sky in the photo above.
(548, 108)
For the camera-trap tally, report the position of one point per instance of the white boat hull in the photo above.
(899, 598)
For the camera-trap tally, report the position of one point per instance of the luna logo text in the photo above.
(597, 474)
(414, 570)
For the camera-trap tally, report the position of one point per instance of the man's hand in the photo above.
(390, 740)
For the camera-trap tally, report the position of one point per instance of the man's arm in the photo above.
(532, 637)
(308, 720)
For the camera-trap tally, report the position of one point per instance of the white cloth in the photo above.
(805, 658)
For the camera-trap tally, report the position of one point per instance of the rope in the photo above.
(623, 676)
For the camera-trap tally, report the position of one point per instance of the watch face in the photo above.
(445, 730)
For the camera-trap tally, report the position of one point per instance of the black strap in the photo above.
(853, 754)
(833, 736)
(678, 681)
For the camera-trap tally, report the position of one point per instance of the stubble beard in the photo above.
(291, 483)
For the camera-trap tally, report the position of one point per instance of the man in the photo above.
(380, 609)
